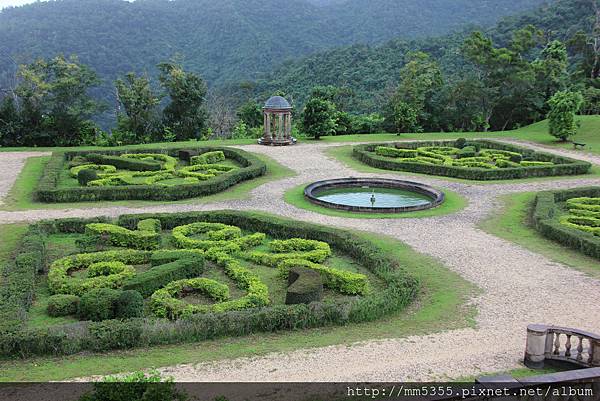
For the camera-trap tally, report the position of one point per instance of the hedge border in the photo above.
(544, 217)
(401, 289)
(563, 165)
(48, 192)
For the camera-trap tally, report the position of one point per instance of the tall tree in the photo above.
(251, 114)
(54, 102)
(563, 107)
(319, 117)
(139, 121)
(186, 114)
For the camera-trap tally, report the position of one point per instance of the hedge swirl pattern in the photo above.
(164, 284)
(569, 217)
(476, 160)
(200, 180)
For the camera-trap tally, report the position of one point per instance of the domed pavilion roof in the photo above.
(277, 102)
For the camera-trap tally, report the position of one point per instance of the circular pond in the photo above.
(376, 195)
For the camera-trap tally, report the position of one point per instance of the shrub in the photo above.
(164, 302)
(542, 164)
(150, 225)
(59, 280)
(208, 158)
(304, 286)
(63, 305)
(124, 163)
(460, 143)
(98, 304)
(546, 220)
(146, 283)
(49, 191)
(86, 175)
(130, 304)
(395, 152)
(123, 237)
(345, 282)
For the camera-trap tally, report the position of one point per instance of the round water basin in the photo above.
(374, 195)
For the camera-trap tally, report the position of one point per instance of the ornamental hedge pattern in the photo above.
(131, 291)
(122, 175)
(473, 160)
(570, 217)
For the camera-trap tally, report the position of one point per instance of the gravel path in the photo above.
(11, 164)
(519, 286)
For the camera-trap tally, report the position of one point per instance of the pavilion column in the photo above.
(268, 125)
(280, 126)
(289, 125)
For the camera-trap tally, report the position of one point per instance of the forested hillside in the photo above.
(224, 40)
(370, 71)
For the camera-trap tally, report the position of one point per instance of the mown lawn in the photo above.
(512, 223)
(441, 305)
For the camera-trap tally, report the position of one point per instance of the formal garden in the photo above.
(146, 280)
(145, 174)
(473, 160)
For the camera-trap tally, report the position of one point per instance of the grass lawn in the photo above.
(441, 305)
(343, 153)
(453, 203)
(20, 196)
(512, 223)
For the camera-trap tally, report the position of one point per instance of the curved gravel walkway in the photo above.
(519, 286)
(11, 164)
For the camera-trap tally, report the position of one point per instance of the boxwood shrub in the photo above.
(399, 289)
(49, 192)
(546, 220)
(537, 161)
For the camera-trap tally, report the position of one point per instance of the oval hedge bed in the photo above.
(202, 175)
(570, 217)
(151, 304)
(472, 160)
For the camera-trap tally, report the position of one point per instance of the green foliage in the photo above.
(138, 386)
(51, 104)
(216, 178)
(177, 268)
(117, 266)
(86, 175)
(98, 304)
(250, 113)
(319, 117)
(345, 282)
(579, 228)
(165, 302)
(386, 151)
(130, 304)
(304, 286)
(124, 163)
(208, 158)
(63, 305)
(140, 120)
(561, 118)
(186, 115)
(120, 236)
(493, 160)
(248, 314)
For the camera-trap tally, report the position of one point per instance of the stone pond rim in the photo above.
(311, 193)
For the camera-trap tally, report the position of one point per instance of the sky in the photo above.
(7, 3)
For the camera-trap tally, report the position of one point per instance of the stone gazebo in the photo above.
(278, 123)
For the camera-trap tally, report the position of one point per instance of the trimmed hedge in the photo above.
(146, 283)
(536, 163)
(17, 279)
(63, 305)
(124, 163)
(119, 236)
(546, 218)
(399, 290)
(49, 192)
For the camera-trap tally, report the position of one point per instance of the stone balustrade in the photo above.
(561, 345)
